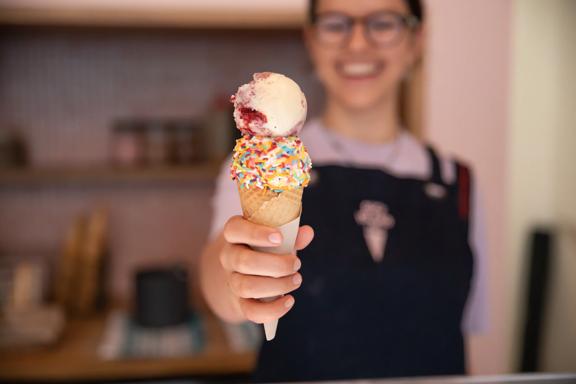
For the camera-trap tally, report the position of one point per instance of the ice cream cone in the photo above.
(265, 207)
(269, 157)
(279, 210)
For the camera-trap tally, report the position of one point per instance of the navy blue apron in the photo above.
(400, 316)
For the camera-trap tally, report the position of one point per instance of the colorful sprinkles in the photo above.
(277, 163)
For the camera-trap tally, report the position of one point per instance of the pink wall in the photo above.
(64, 88)
(467, 115)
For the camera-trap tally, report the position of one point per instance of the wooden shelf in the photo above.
(172, 18)
(201, 173)
(75, 359)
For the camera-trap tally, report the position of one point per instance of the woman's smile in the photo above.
(359, 69)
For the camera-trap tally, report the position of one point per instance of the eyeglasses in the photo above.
(381, 29)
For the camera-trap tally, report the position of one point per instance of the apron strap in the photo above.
(464, 182)
(436, 176)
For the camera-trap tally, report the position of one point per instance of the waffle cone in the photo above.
(262, 206)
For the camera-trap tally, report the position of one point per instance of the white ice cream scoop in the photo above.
(270, 105)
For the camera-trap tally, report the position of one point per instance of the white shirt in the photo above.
(406, 156)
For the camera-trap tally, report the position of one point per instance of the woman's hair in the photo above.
(415, 6)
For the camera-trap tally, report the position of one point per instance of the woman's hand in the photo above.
(253, 275)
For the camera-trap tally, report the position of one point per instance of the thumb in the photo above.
(305, 237)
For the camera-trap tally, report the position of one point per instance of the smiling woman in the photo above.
(382, 288)
(362, 51)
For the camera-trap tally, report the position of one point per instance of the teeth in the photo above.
(359, 69)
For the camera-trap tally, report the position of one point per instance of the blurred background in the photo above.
(114, 121)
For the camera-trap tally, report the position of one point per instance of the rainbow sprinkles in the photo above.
(275, 163)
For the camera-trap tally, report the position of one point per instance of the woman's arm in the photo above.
(213, 283)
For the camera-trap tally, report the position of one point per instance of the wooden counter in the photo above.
(75, 359)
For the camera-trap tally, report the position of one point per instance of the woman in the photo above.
(383, 286)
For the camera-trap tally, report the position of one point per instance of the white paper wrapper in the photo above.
(289, 233)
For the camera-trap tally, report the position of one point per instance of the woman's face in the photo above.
(361, 72)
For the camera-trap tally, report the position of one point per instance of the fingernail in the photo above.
(297, 265)
(297, 279)
(275, 238)
(289, 302)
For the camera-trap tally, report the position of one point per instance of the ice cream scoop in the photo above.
(274, 163)
(270, 105)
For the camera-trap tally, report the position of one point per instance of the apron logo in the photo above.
(435, 191)
(373, 216)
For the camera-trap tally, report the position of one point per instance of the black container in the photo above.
(13, 149)
(161, 297)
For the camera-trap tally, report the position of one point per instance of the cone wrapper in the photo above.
(289, 232)
(279, 210)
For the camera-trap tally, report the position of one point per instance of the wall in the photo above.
(64, 88)
(542, 158)
(468, 69)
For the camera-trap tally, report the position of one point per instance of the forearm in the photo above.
(214, 283)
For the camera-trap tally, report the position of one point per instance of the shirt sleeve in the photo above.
(226, 202)
(476, 316)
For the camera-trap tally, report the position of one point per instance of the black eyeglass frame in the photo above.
(410, 22)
